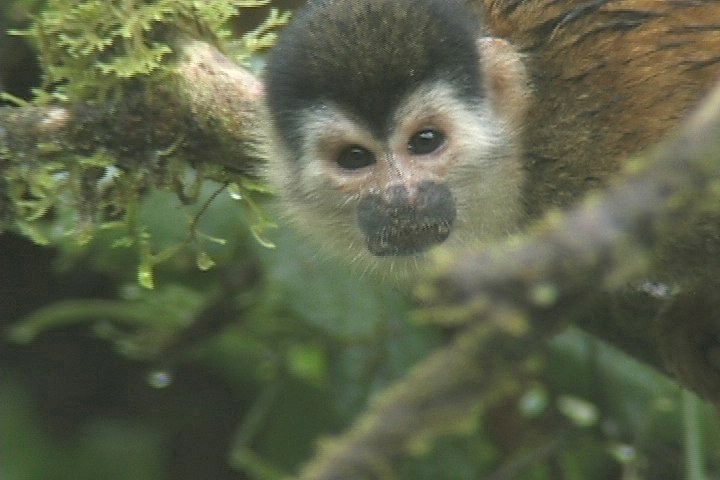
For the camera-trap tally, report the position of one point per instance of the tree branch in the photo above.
(200, 119)
(208, 100)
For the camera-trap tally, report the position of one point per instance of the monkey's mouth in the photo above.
(407, 239)
(395, 226)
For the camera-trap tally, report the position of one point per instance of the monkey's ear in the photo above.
(259, 92)
(506, 79)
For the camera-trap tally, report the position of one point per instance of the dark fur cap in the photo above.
(367, 55)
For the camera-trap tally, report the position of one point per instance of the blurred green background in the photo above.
(234, 373)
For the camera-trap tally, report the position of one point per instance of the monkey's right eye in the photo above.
(425, 142)
(355, 157)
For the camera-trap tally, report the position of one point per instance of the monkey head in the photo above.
(394, 129)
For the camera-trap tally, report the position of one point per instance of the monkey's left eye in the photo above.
(355, 157)
(425, 142)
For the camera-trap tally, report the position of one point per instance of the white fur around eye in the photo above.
(328, 131)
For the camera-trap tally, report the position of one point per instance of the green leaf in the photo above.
(204, 261)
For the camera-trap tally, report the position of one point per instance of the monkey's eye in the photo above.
(355, 157)
(425, 142)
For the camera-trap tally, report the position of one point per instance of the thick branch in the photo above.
(207, 102)
(97, 160)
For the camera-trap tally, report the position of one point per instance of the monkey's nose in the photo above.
(396, 224)
(397, 195)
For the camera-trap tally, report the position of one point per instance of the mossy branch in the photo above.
(132, 102)
(94, 161)
(207, 104)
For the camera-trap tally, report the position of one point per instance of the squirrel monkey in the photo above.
(400, 125)
(395, 128)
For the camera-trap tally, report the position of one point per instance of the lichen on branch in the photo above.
(124, 109)
(90, 48)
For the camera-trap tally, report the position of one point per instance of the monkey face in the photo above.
(440, 174)
(394, 129)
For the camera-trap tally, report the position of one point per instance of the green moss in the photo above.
(111, 63)
(90, 48)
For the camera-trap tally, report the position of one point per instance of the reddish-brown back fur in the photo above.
(610, 78)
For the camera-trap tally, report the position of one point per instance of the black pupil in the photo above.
(355, 157)
(425, 141)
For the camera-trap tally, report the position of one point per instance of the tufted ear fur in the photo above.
(506, 79)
